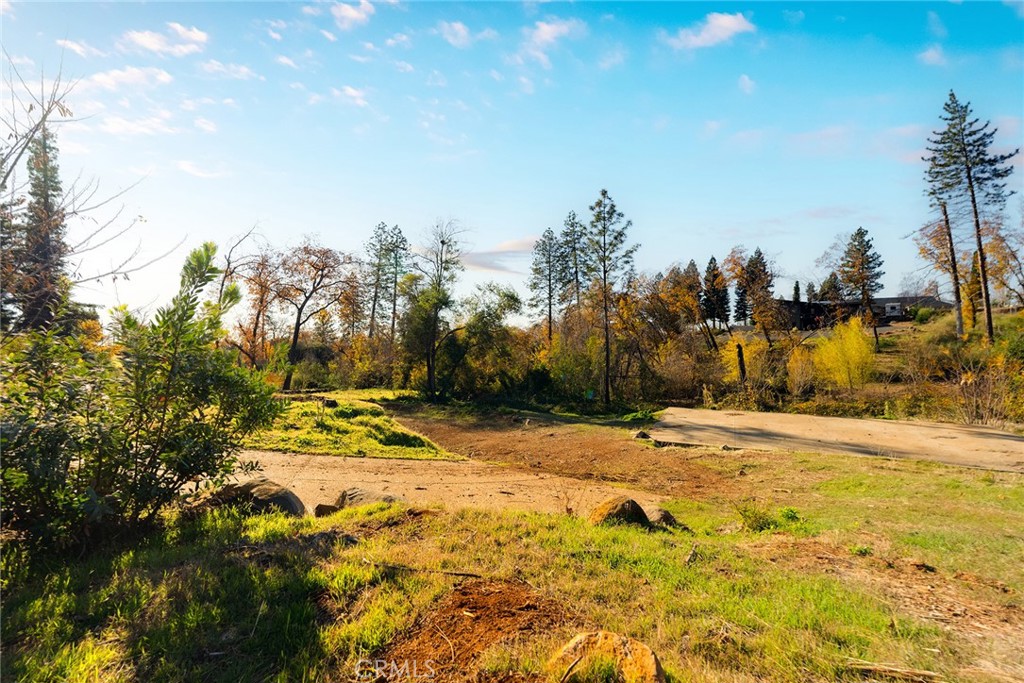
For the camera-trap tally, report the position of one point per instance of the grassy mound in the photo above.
(343, 423)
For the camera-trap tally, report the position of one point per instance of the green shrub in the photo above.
(756, 518)
(846, 358)
(97, 437)
(923, 315)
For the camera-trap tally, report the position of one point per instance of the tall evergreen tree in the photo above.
(610, 257)
(812, 292)
(740, 306)
(860, 272)
(574, 258)
(759, 282)
(716, 293)
(37, 245)
(377, 258)
(796, 292)
(962, 165)
(546, 278)
(397, 267)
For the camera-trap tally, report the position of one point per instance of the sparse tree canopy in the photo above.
(610, 259)
(546, 278)
(963, 168)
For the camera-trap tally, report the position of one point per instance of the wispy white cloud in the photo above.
(286, 61)
(793, 17)
(349, 16)
(932, 56)
(178, 41)
(237, 71)
(189, 104)
(404, 67)
(494, 260)
(716, 28)
(936, 27)
(458, 34)
(1017, 5)
(496, 75)
(353, 95)
(612, 58)
(328, 35)
(544, 36)
(150, 125)
(194, 170)
(205, 125)
(133, 76)
(311, 11)
(398, 40)
(525, 85)
(362, 59)
(746, 84)
(6, 9)
(710, 128)
(81, 48)
(274, 35)
(73, 148)
(829, 140)
(437, 79)
(21, 60)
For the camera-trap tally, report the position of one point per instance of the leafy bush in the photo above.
(846, 358)
(97, 437)
(923, 315)
(756, 518)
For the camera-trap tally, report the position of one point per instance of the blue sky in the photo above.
(779, 125)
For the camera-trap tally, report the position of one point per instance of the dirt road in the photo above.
(947, 443)
(320, 478)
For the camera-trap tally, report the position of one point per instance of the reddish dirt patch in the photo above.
(476, 615)
(592, 452)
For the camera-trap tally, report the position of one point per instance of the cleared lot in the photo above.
(952, 444)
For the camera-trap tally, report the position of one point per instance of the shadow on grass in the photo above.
(187, 605)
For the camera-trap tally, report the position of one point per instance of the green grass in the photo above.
(228, 598)
(355, 427)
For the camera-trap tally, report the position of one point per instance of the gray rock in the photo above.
(261, 495)
(354, 497)
(665, 518)
(323, 510)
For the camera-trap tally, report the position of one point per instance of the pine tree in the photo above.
(831, 289)
(961, 165)
(377, 261)
(860, 272)
(574, 258)
(609, 258)
(740, 308)
(397, 267)
(812, 293)
(796, 292)
(716, 293)
(546, 278)
(758, 281)
(38, 250)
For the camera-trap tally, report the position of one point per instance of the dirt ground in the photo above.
(320, 478)
(476, 615)
(967, 446)
(547, 464)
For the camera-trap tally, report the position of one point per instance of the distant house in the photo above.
(810, 315)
